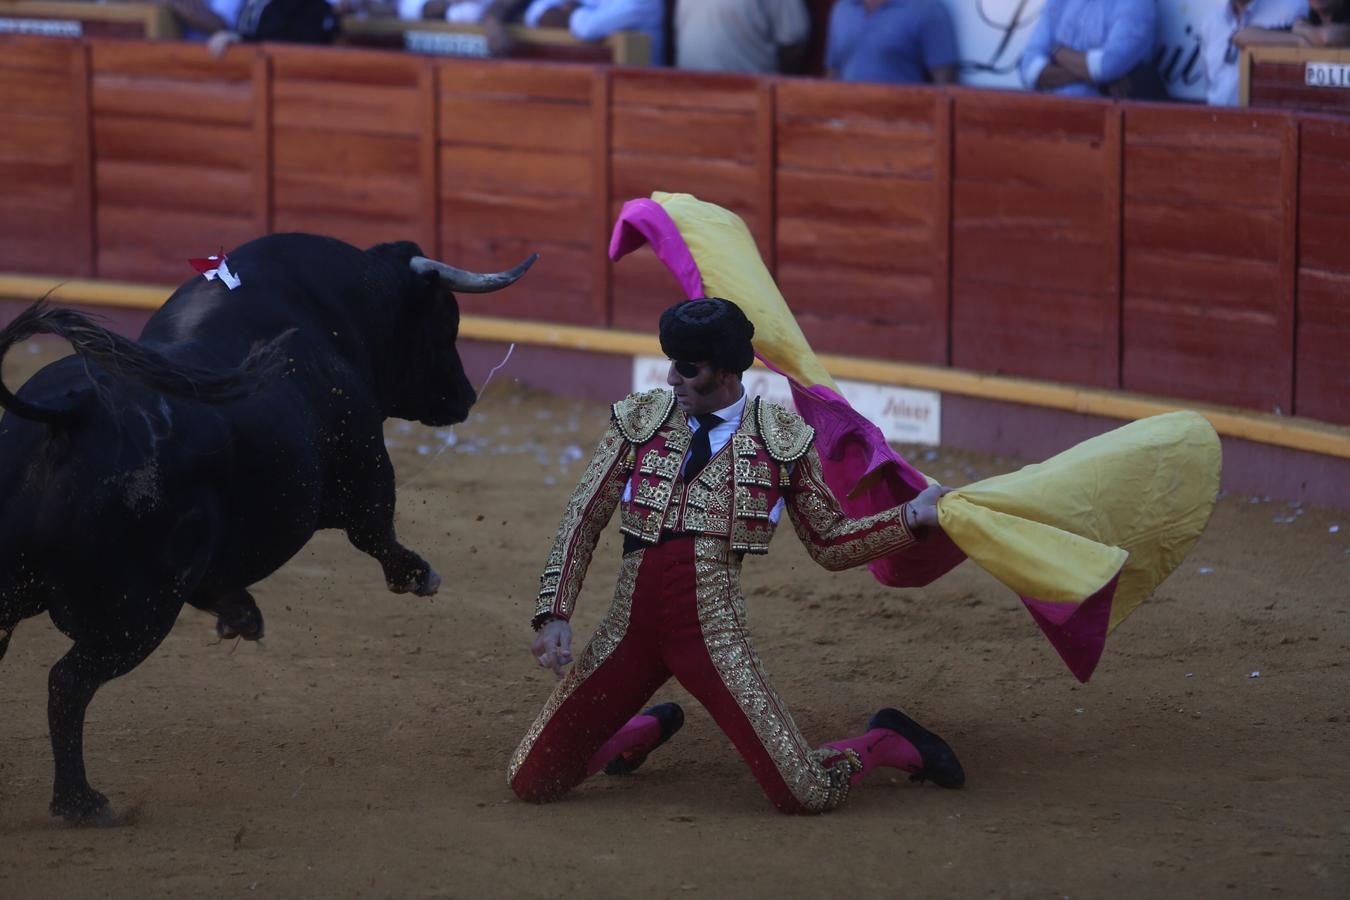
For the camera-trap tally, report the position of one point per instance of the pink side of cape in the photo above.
(861, 468)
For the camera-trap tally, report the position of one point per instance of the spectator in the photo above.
(291, 21)
(1086, 48)
(1327, 25)
(465, 11)
(594, 20)
(894, 41)
(741, 35)
(1232, 26)
(202, 18)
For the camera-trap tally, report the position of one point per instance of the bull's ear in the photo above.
(471, 282)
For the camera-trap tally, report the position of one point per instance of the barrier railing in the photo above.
(1174, 250)
(1313, 79)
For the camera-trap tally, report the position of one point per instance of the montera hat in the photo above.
(710, 329)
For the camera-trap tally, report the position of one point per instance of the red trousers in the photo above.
(677, 610)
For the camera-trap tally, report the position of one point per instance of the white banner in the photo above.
(990, 35)
(904, 415)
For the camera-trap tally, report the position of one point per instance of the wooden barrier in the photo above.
(1173, 250)
(1279, 77)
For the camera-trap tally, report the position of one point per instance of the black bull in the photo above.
(186, 466)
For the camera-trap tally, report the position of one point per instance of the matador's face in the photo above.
(705, 391)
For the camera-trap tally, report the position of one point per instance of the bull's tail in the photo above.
(126, 360)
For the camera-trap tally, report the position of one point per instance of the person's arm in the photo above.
(494, 20)
(1129, 41)
(588, 511)
(554, 16)
(199, 15)
(836, 541)
(938, 45)
(1270, 37)
(1036, 52)
(599, 21)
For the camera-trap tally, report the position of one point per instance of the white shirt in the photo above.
(594, 20)
(737, 35)
(1217, 30)
(717, 439)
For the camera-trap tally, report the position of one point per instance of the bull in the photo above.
(194, 462)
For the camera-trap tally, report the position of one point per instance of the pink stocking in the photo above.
(639, 735)
(881, 747)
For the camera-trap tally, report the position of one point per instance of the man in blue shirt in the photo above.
(892, 41)
(1086, 48)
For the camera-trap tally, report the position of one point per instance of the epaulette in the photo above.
(786, 435)
(640, 415)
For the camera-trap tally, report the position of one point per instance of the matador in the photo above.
(702, 474)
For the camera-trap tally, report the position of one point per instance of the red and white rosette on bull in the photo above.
(214, 267)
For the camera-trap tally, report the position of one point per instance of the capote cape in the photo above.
(1083, 538)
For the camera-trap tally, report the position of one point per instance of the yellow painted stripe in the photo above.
(1281, 431)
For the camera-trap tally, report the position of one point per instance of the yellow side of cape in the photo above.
(1059, 530)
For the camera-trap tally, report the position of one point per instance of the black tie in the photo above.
(700, 448)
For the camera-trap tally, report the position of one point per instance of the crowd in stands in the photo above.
(1080, 48)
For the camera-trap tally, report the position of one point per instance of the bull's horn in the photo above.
(471, 282)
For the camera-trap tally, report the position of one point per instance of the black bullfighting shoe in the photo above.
(940, 764)
(671, 718)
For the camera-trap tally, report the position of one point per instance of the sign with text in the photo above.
(66, 28)
(904, 415)
(1327, 75)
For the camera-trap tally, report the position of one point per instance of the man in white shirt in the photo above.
(762, 36)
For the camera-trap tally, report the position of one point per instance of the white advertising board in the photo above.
(990, 35)
(904, 415)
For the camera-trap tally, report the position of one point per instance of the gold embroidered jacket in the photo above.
(769, 457)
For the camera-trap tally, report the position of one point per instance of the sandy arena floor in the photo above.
(361, 750)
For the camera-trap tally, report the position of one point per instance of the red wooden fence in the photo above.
(1176, 250)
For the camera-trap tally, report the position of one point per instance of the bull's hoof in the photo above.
(88, 807)
(429, 585)
(424, 585)
(246, 624)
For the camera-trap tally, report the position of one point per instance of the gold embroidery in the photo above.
(587, 512)
(818, 779)
(786, 435)
(834, 540)
(640, 416)
(598, 649)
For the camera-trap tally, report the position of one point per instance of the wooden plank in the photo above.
(1044, 163)
(642, 289)
(22, 53)
(172, 142)
(999, 256)
(882, 298)
(1232, 130)
(172, 61)
(344, 153)
(389, 197)
(902, 109)
(669, 89)
(337, 107)
(1214, 231)
(36, 180)
(944, 206)
(492, 121)
(1246, 283)
(1004, 329)
(727, 184)
(352, 227)
(560, 287)
(36, 92)
(133, 246)
(511, 170)
(601, 194)
(179, 100)
(863, 247)
(860, 199)
(155, 186)
(261, 151)
(698, 133)
(24, 137)
(487, 215)
(342, 67)
(844, 145)
(920, 342)
(1204, 175)
(504, 79)
(1018, 116)
(428, 161)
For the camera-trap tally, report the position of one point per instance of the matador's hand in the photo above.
(552, 647)
(923, 510)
